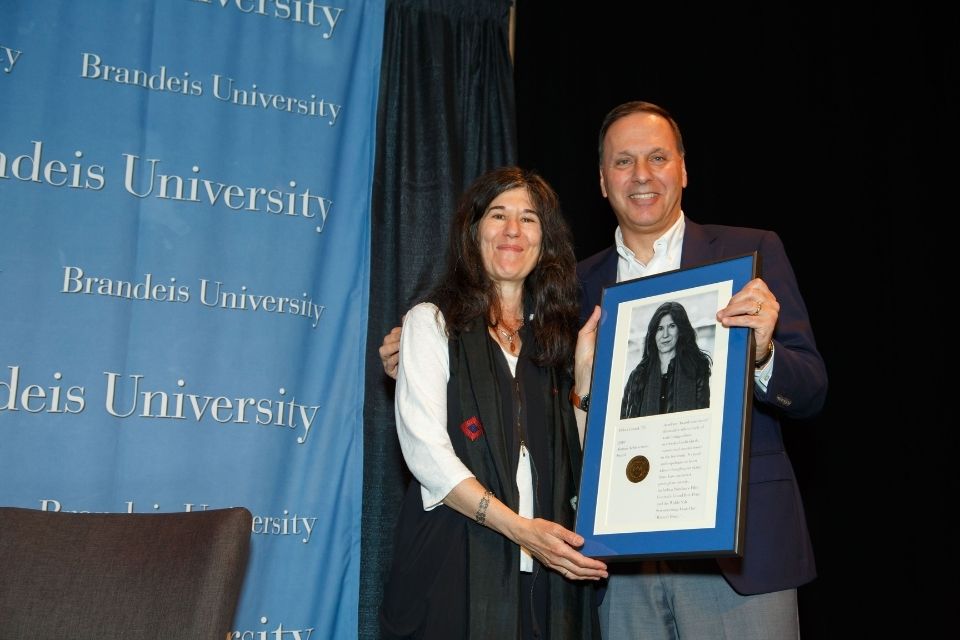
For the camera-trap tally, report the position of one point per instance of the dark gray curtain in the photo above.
(446, 115)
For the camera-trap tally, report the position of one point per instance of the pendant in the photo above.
(509, 336)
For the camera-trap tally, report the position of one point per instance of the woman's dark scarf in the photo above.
(688, 388)
(493, 563)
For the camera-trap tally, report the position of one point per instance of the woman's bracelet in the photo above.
(481, 516)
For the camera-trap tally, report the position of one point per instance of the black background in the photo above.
(833, 128)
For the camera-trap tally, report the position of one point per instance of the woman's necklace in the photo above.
(509, 335)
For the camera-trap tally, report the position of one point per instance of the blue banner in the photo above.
(184, 263)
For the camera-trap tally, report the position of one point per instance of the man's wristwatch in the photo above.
(580, 403)
(762, 362)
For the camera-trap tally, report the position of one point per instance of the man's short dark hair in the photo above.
(638, 106)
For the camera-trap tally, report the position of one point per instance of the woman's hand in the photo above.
(556, 547)
(550, 543)
(583, 355)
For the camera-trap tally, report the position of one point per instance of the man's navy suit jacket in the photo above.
(777, 553)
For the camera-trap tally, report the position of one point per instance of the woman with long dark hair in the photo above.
(484, 546)
(674, 373)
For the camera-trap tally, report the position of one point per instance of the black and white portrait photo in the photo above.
(669, 356)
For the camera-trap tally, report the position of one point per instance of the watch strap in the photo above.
(580, 403)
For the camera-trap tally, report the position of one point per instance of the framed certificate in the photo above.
(668, 427)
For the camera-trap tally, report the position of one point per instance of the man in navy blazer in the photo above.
(642, 174)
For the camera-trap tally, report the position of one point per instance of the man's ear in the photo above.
(603, 185)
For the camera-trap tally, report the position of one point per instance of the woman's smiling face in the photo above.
(509, 235)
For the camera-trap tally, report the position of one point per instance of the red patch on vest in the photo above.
(472, 428)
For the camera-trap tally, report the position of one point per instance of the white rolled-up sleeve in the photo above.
(421, 405)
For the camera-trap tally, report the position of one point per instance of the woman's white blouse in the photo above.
(421, 412)
(421, 405)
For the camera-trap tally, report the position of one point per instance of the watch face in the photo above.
(585, 402)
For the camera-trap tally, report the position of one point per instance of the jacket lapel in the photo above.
(699, 246)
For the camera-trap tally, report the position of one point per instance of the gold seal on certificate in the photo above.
(637, 468)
